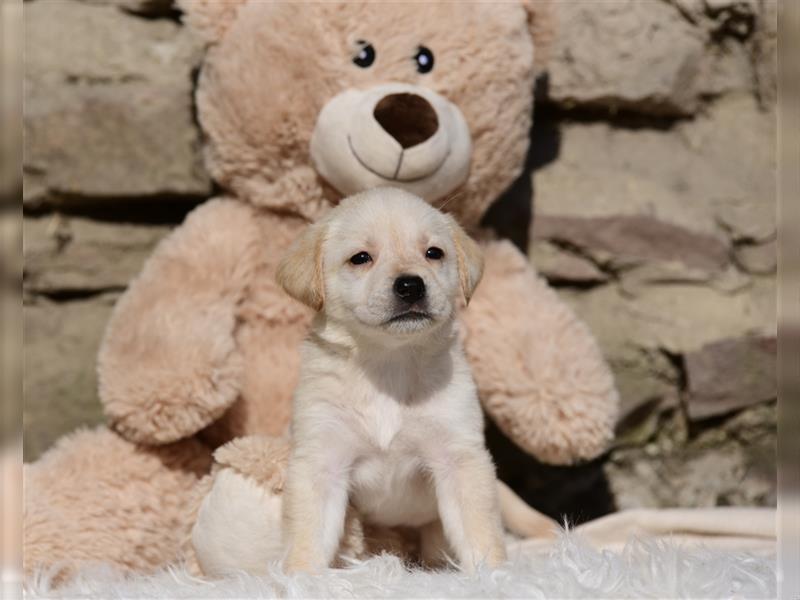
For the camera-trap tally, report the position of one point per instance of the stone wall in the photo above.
(652, 177)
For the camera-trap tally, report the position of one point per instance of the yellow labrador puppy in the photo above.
(386, 413)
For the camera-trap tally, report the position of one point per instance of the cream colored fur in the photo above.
(386, 414)
(234, 536)
(229, 535)
(203, 347)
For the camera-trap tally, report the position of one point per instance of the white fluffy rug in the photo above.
(569, 568)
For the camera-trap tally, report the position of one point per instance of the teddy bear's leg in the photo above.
(95, 497)
(540, 374)
(239, 513)
(186, 555)
(238, 526)
(169, 364)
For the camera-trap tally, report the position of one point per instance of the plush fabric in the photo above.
(203, 346)
(11, 518)
(525, 374)
(576, 565)
(134, 516)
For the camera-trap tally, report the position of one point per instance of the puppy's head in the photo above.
(383, 262)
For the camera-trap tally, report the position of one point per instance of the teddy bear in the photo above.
(300, 105)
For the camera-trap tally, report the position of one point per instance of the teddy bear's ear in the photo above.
(210, 18)
(300, 271)
(542, 25)
(470, 260)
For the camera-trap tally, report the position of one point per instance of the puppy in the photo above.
(386, 413)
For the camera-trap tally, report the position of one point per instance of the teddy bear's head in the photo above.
(302, 103)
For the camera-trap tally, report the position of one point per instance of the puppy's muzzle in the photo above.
(409, 288)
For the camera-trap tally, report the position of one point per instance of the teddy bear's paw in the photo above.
(542, 378)
(238, 526)
(261, 458)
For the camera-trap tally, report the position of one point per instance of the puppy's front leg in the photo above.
(468, 507)
(314, 506)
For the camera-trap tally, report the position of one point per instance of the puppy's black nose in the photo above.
(409, 288)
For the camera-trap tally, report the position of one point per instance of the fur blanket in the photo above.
(705, 553)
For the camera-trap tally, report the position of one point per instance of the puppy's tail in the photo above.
(522, 520)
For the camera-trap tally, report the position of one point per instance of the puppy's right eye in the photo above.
(360, 258)
(434, 253)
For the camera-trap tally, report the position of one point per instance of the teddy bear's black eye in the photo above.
(360, 258)
(366, 54)
(434, 253)
(424, 59)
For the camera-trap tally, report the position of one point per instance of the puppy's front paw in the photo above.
(300, 562)
(497, 556)
(492, 556)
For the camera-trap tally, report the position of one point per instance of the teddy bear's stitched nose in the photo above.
(408, 118)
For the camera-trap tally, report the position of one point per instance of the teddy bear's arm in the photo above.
(540, 374)
(168, 365)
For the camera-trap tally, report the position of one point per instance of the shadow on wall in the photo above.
(579, 493)
(511, 215)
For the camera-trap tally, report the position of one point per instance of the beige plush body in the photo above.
(204, 346)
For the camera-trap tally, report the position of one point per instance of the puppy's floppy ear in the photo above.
(300, 271)
(210, 18)
(470, 260)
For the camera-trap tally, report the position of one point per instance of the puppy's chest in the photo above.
(383, 421)
(388, 482)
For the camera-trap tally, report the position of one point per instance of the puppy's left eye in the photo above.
(360, 258)
(434, 253)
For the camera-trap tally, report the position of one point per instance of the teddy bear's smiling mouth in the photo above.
(362, 140)
(394, 177)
